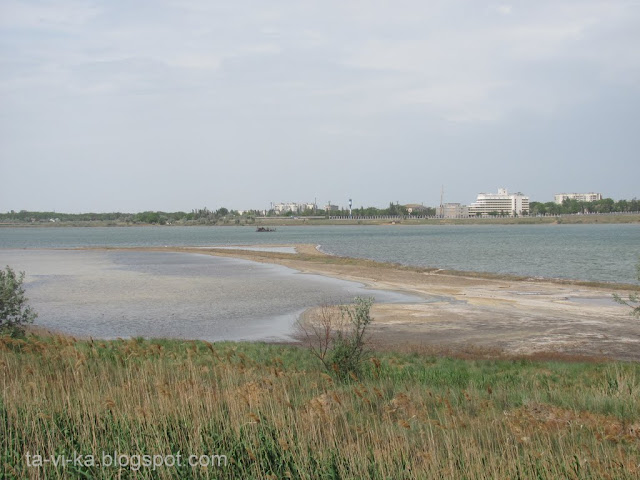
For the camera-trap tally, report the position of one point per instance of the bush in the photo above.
(337, 336)
(633, 300)
(14, 311)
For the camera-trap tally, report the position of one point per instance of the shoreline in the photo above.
(621, 218)
(518, 316)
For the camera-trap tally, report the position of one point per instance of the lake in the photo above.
(606, 253)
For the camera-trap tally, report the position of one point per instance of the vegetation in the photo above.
(15, 313)
(336, 335)
(224, 216)
(633, 300)
(606, 205)
(275, 414)
(196, 216)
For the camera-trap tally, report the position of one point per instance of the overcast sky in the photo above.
(180, 104)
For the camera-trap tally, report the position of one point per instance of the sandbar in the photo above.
(512, 315)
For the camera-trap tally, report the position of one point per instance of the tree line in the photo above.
(201, 215)
(606, 205)
(195, 216)
(224, 215)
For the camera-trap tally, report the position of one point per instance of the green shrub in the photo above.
(14, 311)
(337, 336)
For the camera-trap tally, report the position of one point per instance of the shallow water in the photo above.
(176, 295)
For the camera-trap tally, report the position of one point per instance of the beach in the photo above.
(509, 314)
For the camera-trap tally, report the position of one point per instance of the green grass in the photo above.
(275, 414)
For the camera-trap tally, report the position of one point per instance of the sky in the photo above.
(182, 104)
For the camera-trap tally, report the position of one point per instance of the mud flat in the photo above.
(123, 293)
(514, 315)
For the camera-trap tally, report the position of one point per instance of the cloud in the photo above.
(471, 72)
(232, 88)
(61, 16)
(504, 9)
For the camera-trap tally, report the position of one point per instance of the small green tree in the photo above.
(349, 346)
(633, 300)
(14, 311)
(337, 336)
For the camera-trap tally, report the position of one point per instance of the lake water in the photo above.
(109, 294)
(178, 295)
(584, 252)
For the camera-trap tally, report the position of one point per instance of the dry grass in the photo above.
(275, 414)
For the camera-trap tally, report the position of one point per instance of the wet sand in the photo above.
(163, 294)
(516, 316)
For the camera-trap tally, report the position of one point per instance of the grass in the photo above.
(273, 412)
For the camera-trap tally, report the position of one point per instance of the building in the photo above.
(453, 210)
(331, 208)
(580, 197)
(502, 203)
(308, 206)
(282, 208)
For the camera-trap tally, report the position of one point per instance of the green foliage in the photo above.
(14, 311)
(149, 217)
(348, 351)
(606, 205)
(337, 336)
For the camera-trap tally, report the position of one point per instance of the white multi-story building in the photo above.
(581, 197)
(502, 203)
(281, 208)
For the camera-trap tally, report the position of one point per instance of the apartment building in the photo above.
(580, 197)
(282, 208)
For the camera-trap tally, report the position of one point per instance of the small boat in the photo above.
(265, 229)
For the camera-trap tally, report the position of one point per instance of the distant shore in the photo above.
(608, 218)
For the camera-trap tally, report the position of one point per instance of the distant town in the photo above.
(501, 204)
